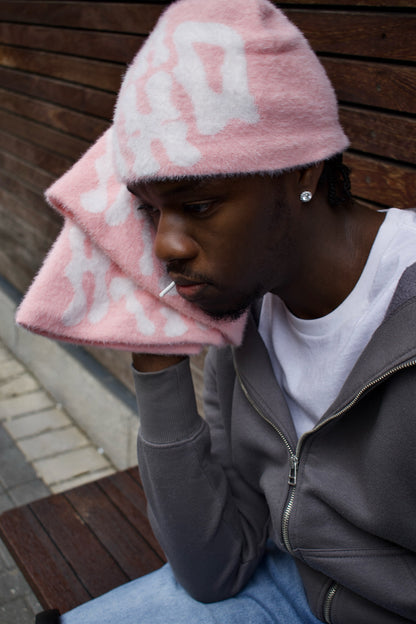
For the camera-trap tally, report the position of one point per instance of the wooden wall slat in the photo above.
(33, 176)
(77, 124)
(114, 17)
(382, 182)
(373, 84)
(99, 74)
(358, 34)
(119, 48)
(54, 164)
(56, 141)
(389, 136)
(74, 96)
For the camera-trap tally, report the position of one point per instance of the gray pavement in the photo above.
(42, 451)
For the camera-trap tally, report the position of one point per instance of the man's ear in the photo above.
(308, 178)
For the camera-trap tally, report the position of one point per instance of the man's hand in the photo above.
(151, 363)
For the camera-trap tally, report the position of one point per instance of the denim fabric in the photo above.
(274, 595)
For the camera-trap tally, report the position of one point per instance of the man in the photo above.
(293, 499)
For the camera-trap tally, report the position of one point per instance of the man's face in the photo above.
(225, 241)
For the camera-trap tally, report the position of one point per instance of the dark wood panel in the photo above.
(101, 74)
(28, 228)
(33, 550)
(122, 489)
(382, 35)
(382, 182)
(96, 569)
(373, 84)
(112, 16)
(28, 174)
(379, 133)
(56, 141)
(64, 119)
(54, 164)
(80, 98)
(24, 239)
(106, 46)
(111, 526)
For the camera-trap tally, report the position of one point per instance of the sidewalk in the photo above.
(41, 451)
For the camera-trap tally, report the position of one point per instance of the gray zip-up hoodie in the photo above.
(342, 499)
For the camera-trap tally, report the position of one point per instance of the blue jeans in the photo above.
(274, 595)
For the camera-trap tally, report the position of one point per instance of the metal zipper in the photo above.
(294, 456)
(359, 394)
(328, 602)
(293, 462)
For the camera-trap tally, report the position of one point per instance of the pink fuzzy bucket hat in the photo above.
(224, 87)
(218, 88)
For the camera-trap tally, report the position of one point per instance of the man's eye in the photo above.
(199, 207)
(147, 208)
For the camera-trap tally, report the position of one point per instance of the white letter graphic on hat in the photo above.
(214, 110)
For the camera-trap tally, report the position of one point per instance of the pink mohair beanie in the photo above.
(218, 88)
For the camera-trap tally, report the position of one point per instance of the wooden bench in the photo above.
(81, 543)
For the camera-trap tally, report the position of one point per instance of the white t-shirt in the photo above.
(312, 359)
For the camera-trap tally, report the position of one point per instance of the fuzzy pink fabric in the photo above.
(218, 88)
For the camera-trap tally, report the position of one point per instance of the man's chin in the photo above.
(228, 314)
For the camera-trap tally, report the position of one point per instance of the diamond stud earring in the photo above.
(305, 196)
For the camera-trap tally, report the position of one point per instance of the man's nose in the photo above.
(172, 240)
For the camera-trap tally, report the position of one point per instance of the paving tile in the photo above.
(25, 404)
(62, 486)
(19, 385)
(14, 469)
(10, 368)
(70, 465)
(5, 439)
(5, 502)
(52, 443)
(33, 604)
(16, 612)
(12, 585)
(6, 560)
(27, 492)
(5, 355)
(33, 424)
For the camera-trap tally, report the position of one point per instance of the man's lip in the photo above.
(184, 281)
(189, 289)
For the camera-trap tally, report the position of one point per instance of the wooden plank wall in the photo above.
(60, 68)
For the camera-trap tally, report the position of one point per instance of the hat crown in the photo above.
(223, 88)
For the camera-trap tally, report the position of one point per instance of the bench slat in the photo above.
(79, 544)
(43, 566)
(115, 532)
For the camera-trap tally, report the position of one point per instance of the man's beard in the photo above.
(233, 314)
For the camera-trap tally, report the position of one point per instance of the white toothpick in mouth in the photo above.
(167, 289)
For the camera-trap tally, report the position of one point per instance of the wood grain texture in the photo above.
(382, 182)
(52, 578)
(381, 134)
(380, 35)
(80, 544)
(111, 16)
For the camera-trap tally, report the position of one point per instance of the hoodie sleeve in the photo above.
(212, 527)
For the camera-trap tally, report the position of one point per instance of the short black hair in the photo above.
(336, 176)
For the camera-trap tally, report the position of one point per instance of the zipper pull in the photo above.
(293, 461)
